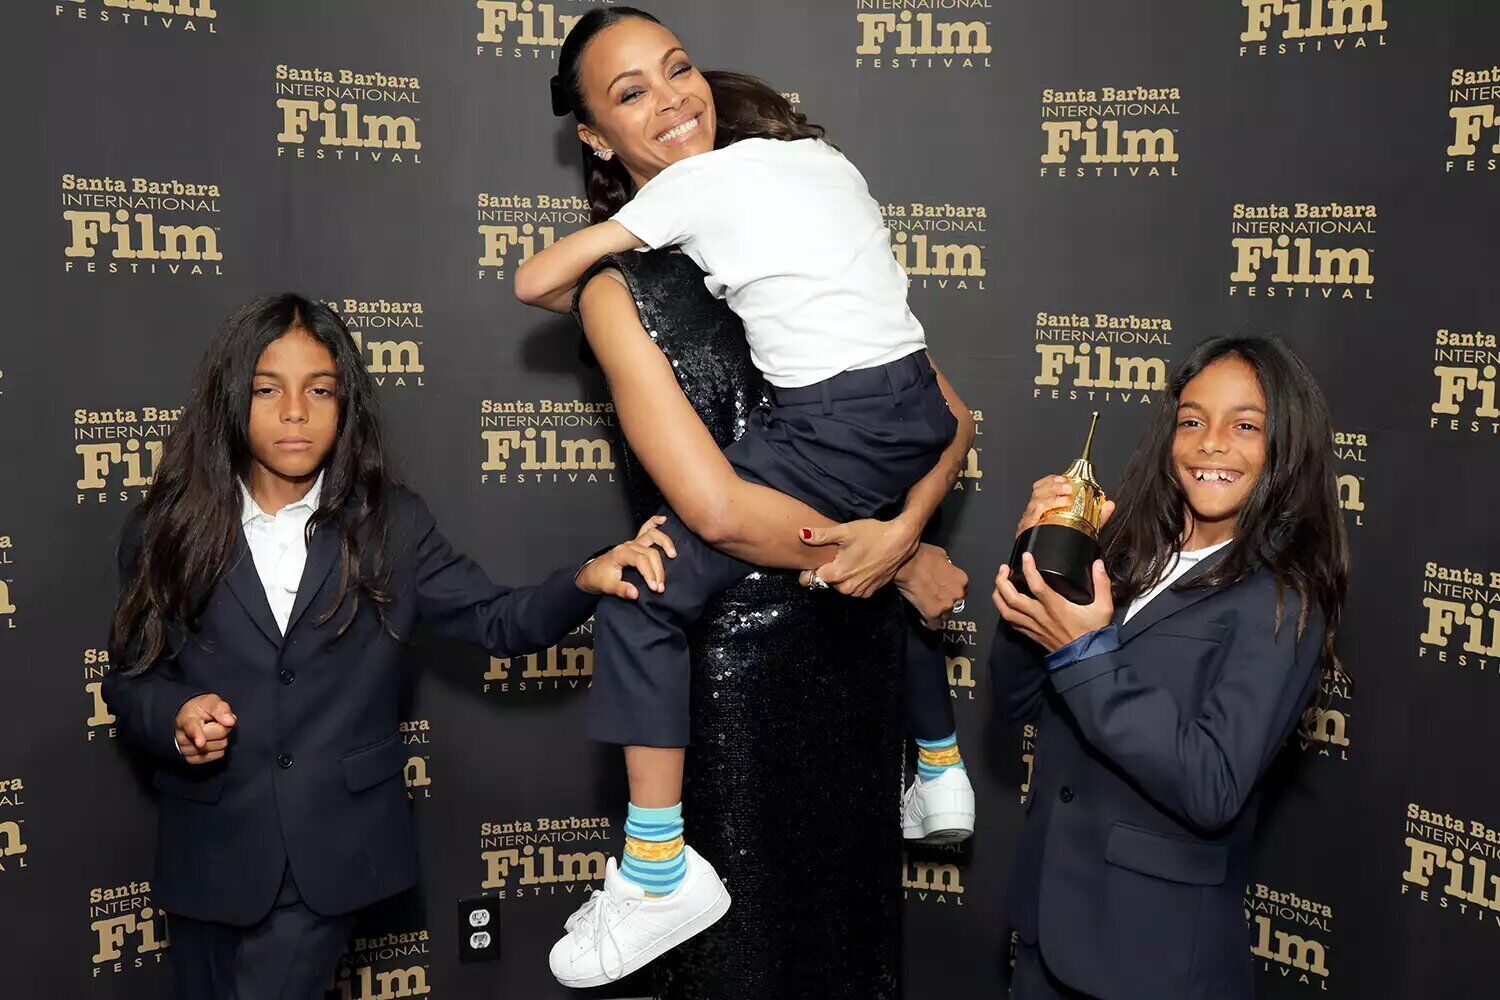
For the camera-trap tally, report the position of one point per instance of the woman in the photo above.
(778, 769)
(1163, 702)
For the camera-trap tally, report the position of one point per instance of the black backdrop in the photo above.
(1080, 190)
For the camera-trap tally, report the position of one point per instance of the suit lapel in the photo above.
(244, 583)
(322, 553)
(1173, 599)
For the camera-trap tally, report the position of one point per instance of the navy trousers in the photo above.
(289, 955)
(849, 447)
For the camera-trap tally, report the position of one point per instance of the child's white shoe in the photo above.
(940, 811)
(620, 929)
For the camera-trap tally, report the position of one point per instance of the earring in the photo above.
(604, 154)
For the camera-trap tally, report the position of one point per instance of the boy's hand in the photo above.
(202, 728)
(605, 575)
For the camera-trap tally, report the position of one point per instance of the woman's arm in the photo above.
(548, 277)
(871, 550)
(750, 522)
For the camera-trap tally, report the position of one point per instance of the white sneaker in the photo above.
(940, 811)
(620, 928)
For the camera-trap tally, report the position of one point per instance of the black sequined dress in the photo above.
(794, 776)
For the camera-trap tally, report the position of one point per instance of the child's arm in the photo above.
(548, 277)
(149, 706)
(458, 600)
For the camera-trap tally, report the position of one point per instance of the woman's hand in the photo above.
(870, 553)
(1050, 619)
(605, 574)
(932, 584)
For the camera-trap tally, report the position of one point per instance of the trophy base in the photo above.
(1064, 556)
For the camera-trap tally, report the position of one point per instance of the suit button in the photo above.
(1065, 793)
(287, 676)
(284, 760)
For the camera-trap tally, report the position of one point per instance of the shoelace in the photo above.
(595, 916)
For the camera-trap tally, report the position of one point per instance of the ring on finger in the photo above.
(817, 582)
(958, 606)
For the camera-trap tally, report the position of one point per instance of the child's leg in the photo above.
(640, 696)
(939, 805)
(928, 703)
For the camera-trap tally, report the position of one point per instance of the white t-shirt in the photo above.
(1185, 562)
(792, 240)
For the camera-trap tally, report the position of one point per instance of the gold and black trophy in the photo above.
(1065, 542)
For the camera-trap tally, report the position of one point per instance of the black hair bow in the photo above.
(561, 103)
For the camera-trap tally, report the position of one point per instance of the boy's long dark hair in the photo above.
(744, 106)
(189, 523)
(1291, 521)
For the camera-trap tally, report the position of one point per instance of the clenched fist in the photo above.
(203, 727)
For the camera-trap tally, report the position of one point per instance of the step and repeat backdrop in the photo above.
(1079, 192)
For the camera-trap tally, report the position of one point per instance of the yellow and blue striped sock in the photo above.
(936, 756)
(654, 859)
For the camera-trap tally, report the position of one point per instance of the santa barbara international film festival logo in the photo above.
(567, 666)
(1324, 731)
(934, 873)
(13, 845)
(546, 441)
(198, 16)
(939, 246)
(1028, 757)
(140, 226)
(416, 736)
(1101, 357)
(960, 653)
(1290, 935)
(1465, 366)
(118, 451)
(512, 227)
(101, 726)
(1110, 132)
(526, 29)
(1296, 27)
(523, 859)
(1452, 863)
(386, 332)
(1303, 250)
(8, 609)
(384, 966)
(128, 932)
(1351, 452)
(971, 475)
(1461, 618)
(923, 34)
(347, 116)
(1473, 96)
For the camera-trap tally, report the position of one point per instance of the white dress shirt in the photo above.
(278, 544)
(1185, 561)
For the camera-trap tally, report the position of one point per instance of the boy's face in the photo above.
(294, 406)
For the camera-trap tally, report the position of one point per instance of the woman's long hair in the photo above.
(744, 107)
(189, 523)
(1290, 522)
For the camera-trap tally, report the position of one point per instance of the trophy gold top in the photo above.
(1088, 496)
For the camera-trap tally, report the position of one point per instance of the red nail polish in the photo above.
(807, 534)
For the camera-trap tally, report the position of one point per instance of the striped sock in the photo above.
(653, 849)
(936, 756)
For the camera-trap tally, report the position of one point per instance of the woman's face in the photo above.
(647, 100)
(1220, 442)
